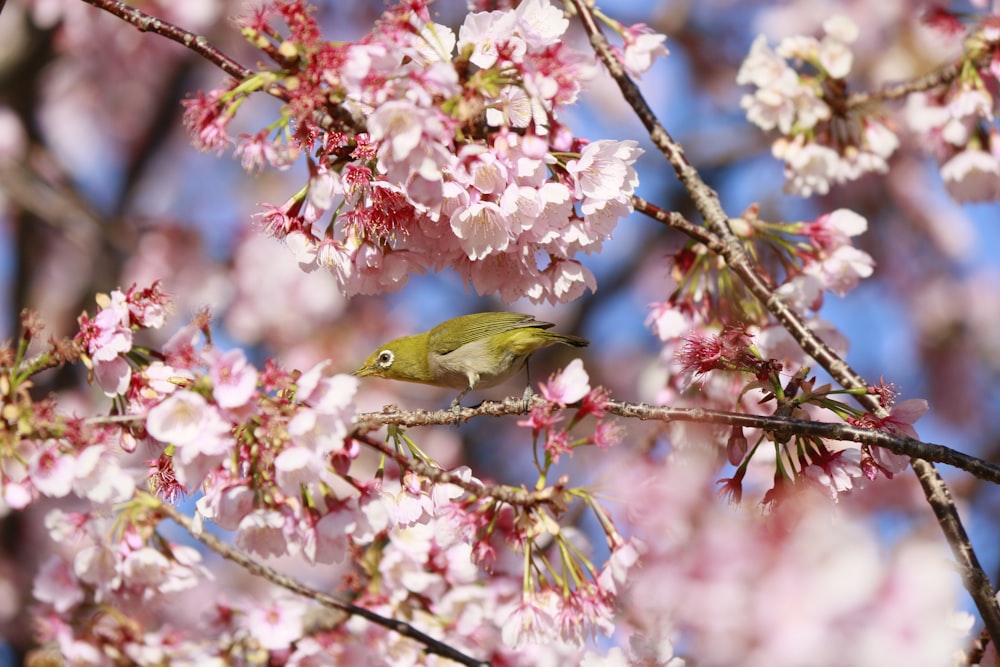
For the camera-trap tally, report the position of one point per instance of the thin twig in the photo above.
(197, 43)
(944, 75)
(678, 222)
(333, 117)
(228, 552)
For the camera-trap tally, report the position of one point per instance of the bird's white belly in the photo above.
(474, 365)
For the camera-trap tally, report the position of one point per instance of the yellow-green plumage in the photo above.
(478, 350)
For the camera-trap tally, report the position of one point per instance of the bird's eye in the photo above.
(385, 358)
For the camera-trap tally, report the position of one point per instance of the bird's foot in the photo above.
(528, 398)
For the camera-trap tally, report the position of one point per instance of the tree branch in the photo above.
(898, 444)
(197, 43)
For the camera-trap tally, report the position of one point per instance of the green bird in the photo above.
(472, 351)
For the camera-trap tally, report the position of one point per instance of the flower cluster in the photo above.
(460, 161)
(268, 455)
(957, 121)
(830, 261)
(570, 386)
(132, 575)
(821, 142)
(753, 364)
(107, 339)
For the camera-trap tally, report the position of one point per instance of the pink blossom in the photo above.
(276, 623)
(481, 228)
(205, 119)
(234, 380)
(833, 229)
(226, 505)
(318, 432)
(836, 58)
(841, 27)
(442, 495)
(98, 565)
(616, 570)
(528, 622)
(800, 586)
(99, 477)
(557, 443)
(603, 171)
(810, 168)
(300, 467)
(327, 391)
(569, 280)
(17, 495)
(803, 293)
(324, 187)
(568, 386)
(834, 473)
(781, 99)
(514, 108)
(642, 46)
(668, 320)
(487, 172)
(607, 434)
(904, 414)
(52, 470)
(163, 379)
(56, 585)
(64, 526)
(108, 335)
(485, 31)
(114, 377)
(179, 418)
(840, 271)
(148, 307)
(972, 176)
(540, 23)
(375, 517)
(263, 532)
(333, 535)
(405, 133)
(144, 567)
(541, 417)
(255, 151)
(202, 437)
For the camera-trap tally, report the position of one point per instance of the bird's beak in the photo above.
(364, 371)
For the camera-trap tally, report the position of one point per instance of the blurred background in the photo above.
(100, 188)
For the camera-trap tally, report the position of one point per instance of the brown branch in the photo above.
(334, 117)
(896, 91)
(228, 552)
(898, 444)
(197, 43)
(974, 578)
(707, 202)
(942, 76)
(678, 222)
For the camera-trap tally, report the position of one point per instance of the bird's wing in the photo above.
(453, 334)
